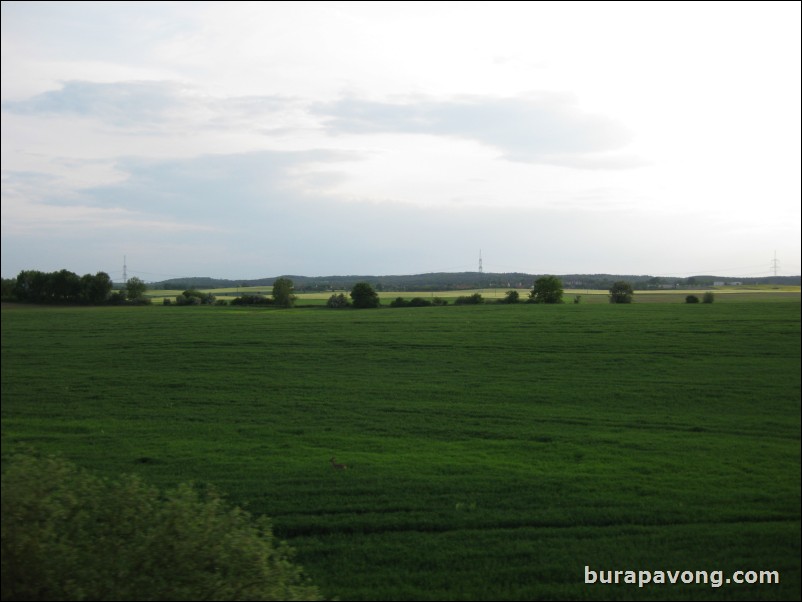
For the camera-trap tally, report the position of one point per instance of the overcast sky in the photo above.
(245, 140)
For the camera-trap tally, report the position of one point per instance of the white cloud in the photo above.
(458, 123)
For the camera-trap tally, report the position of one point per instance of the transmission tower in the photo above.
(775, 263)
(125, 271)
(480, 262)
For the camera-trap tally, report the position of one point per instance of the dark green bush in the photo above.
(194, 297)
(475, 299)
(708, 297)
(364, 296)
(69, 535)
(511, 297)
(337, 301)
(621, 292)
(252, 299)
(691, 299)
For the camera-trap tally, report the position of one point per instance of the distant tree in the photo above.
(70, 535)
(337, 301)
(96, 289)
(511, 297)
(135, 288)
(691, 299)
(252, 299)
(547, 289)
(30, 286)
(194, 297)
(282, 292)
(65, 286)
(621, 292)
(708, 297)
(8, 288)
(475, 299)
(364, 296)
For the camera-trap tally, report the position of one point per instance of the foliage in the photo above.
(547, 289)
(577, 299)
(96, 289)
(691, 299)
(135, 288)
(69, 535)
(63, 287)
(194, 297)
(621, 292)
(414, 302)
(282, 292)
(511, 297)
(364, 296)
(708, 297)
(252, 299)
(337, 301)
(475, 299)
(7, 288)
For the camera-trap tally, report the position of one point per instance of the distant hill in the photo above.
(441, 281)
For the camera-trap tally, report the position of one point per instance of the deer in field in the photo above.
(337, 466)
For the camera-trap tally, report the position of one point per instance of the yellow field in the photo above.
(726, 293)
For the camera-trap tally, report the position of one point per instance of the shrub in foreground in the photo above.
(69, 535)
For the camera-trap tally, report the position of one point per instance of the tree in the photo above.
(511, 297)
(194, 297)
(547, 289)
(282, 292)
(8, 288)
(708, 297)
(621, 292)
(65, 286)
(135, 288)
(337, 301)
(364, 296)
(691, 299)
(96, 289)
(475, 299)
(69, 535)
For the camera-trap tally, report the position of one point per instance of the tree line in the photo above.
(67, 288)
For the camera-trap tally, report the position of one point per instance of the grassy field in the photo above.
(494, 451)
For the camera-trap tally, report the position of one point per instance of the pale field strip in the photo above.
(487, 293)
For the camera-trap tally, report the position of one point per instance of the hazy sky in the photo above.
(245, 140)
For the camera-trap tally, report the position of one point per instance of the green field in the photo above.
(494, 451)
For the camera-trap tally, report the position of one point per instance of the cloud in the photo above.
(118, 103)
(545, 130)
(154, 106)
